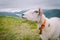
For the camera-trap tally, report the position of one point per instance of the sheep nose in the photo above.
(22, 14)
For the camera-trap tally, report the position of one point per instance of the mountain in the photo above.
(12, 13)
(48, 13)
(52, 13)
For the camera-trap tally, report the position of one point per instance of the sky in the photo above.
(28, 4)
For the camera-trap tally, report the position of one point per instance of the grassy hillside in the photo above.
(12, 28)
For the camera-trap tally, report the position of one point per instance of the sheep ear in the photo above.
(40, 12)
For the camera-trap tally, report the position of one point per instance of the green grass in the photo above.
(13, 28)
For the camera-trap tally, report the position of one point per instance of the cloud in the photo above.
(50, 4)
(10, 10)
(18, 4)
(25, 4)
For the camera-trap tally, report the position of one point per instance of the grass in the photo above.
(13, 28)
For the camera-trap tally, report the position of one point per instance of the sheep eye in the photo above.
(36, 11)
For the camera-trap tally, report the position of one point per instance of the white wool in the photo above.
(49, 32)
(52, 32)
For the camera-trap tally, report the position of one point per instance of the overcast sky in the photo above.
(25, 4)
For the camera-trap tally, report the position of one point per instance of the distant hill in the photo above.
(52, 13)
(12, 13)
(48, 13)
